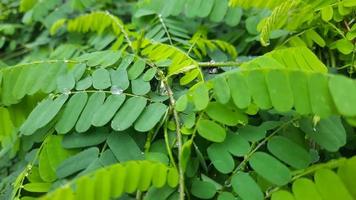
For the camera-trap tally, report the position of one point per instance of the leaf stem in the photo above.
(220, 64)
(179, 138)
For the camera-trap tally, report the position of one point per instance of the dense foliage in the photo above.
(178, 99)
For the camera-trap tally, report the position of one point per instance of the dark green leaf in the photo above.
(77, 162)
(124, 147)
(270, 168)
(150, 117)
(246, 187)
(128, 113)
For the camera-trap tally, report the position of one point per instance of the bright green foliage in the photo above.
(125, 174)
(177, 99)
(326, 185)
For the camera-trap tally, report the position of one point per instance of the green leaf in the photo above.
(221, 158)
(128, 113)
(119, 79)
(42, 114)
(101, 79)
(159, 180)
(246, 187)
(201, 96)
(343, 91)
(233, 16)
(181, 103)
(344, 46)
(77, 162)
(289, 152)
(150, 117)
(51, 156)
(225, 115)
(347, 174)
(124, 147)
(118, 174)
(186, 151)
(327, 13)
(226, 196)
(84, 122)
(305, 189)
(102, 184)
(349, 3)
(299, 85)
(102, 58)
(71, 112)
(133, 171)
(282, 195)
(78, 140)
(329, 133)
(148, 170)
(203, 189)
(221, 90)
(172, 177)
(320, 98)
(211, 130)
(149, 74)
(37, 187)
(258, 88)
(85, 188)
(256, 133)
(84, 83)
(140, 87)
(136, 69)
(237, 145)
(65, 82)
(239, 90)
(336, 190)
(219, 10)
(278, 83)
(313, 35)
(106, 111)
(270, 168)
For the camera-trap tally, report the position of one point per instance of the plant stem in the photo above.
(219, 64)
(168, 147)
(40, 62)
(179, 139)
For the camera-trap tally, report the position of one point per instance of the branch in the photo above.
(220, 64)
(179, 137)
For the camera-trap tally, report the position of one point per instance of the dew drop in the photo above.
(66, 91)
(116, 90)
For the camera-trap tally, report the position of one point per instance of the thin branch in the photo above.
(179, 136)
(39, 62)
(220, 64)
(122, 28)
(165, 29)
(168, 147)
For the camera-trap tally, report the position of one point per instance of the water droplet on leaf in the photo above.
(116, 90)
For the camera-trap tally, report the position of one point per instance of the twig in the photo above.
(121, 27)
(219, 64)
(179, 138)
(165, 29)
(39, 62)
